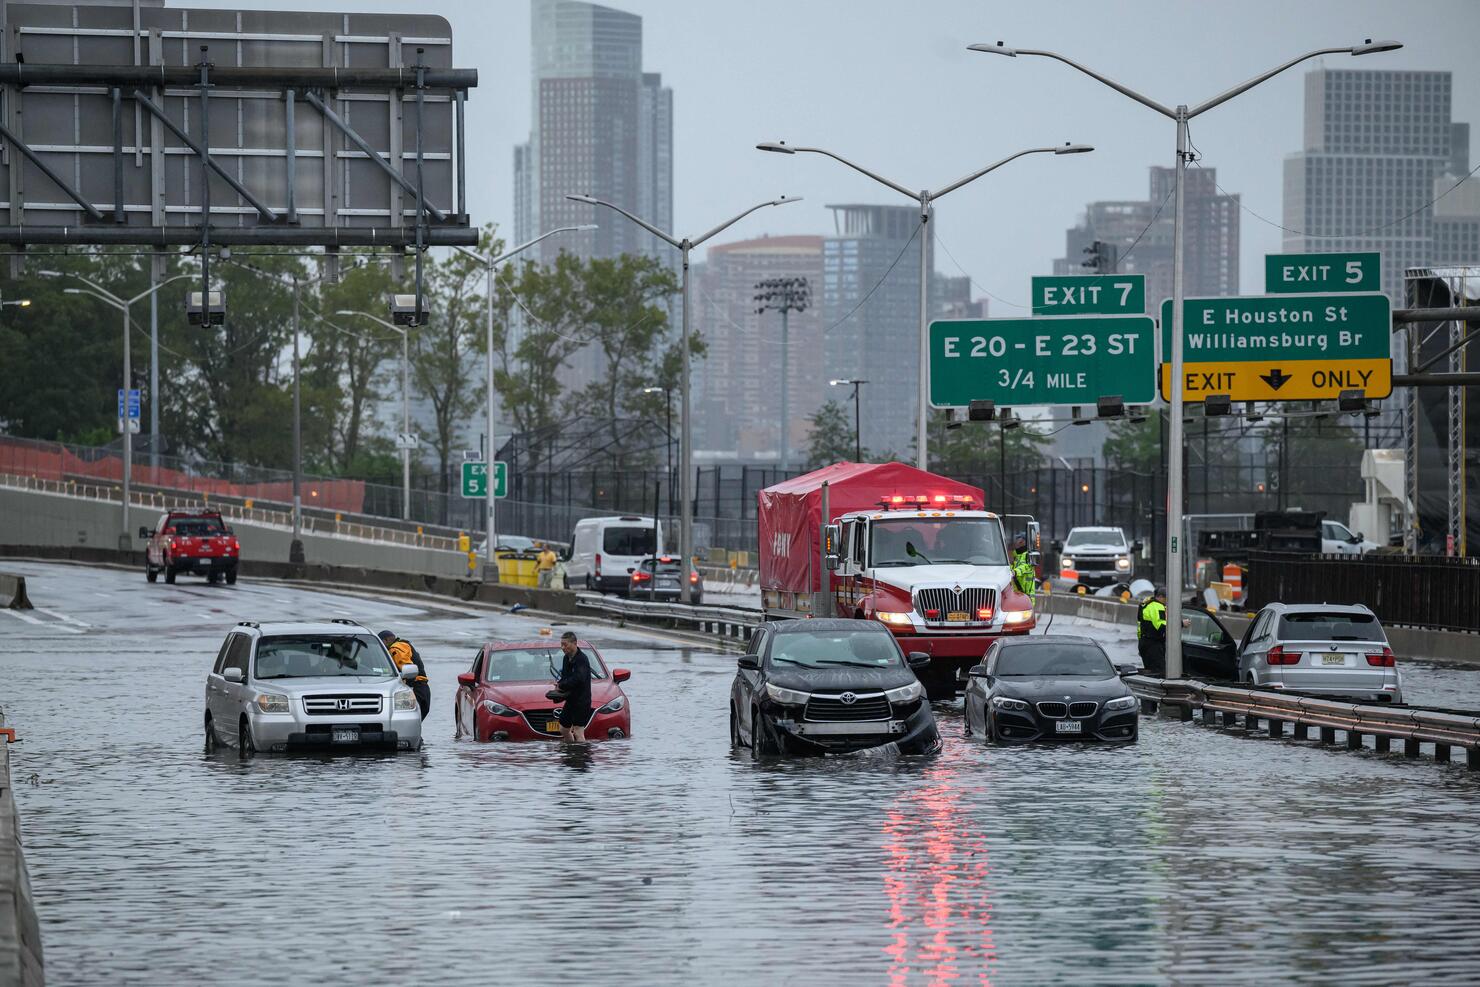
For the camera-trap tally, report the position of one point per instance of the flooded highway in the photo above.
(1194, 855)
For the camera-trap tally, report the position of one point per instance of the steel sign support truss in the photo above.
(107, 224)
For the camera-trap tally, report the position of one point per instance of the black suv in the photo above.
(829, 686)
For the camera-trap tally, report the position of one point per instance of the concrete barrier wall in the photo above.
(20, 932)
(30, 517)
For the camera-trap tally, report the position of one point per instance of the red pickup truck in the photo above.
(190, 541)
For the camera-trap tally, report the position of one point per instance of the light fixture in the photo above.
(981, 411)
(1217, 405)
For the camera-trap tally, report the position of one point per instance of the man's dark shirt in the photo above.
(575, 679)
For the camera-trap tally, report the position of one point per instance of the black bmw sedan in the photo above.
(829, 686)
(1032, 688)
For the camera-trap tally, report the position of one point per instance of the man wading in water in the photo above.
(575, 682)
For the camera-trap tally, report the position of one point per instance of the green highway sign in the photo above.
(475, 480)
(1306, 273)
(1282, 347)
(1019, 362)
(1092, 294)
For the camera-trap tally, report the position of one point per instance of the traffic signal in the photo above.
(1101, 257)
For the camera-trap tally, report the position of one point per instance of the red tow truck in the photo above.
(913, 550)
(190, 541)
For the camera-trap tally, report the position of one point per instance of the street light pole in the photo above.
(857, 420)
(925, 198)
(405, 332)
(489, 265)
(686, 423)
(1181, 115)
(667, 433)
(123, 305)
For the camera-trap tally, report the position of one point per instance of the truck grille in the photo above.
(1092, 563)
(1054, 711)
(947, 600)
(832, 709)
(342, 705)
(1083, 710)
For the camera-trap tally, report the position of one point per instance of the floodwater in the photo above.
(1192, 856)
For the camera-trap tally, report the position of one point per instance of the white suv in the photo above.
(283, 686)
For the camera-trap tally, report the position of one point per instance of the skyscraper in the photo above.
(1377, 148)
(738, 382)
(870, 301)
(1142, 232)
(600, 126)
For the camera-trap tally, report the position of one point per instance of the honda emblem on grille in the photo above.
(344, 704)
(848, 699)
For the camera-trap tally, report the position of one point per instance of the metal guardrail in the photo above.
(251, 515)
(1225, 705)
(729, 623)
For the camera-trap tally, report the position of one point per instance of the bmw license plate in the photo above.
(1068, 726)
(958, 615)
(1333, 659)
(346, 735)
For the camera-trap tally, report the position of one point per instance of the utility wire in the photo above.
(881, 280)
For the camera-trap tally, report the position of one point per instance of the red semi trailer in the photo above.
(915, 552)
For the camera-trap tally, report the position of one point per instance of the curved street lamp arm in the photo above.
(372, 318)
(1123, 90)
(665, 237)
(731, 222)
(989, 168)
(146, 294)
(495, 261)
(862, 170)
(1246, 86)
(102, 295)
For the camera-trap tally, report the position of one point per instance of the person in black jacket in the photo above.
(575, 682)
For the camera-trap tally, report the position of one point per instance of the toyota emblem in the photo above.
(848, 699)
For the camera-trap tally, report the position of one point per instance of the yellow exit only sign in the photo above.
(1282, 380)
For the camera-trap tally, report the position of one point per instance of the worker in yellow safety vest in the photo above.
(1023, 574)
(1151, 633)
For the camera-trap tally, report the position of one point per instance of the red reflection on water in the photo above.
(937, 880)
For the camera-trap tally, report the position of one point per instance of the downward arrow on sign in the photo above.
(1275, 378)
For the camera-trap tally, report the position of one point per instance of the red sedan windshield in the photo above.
(532, 665)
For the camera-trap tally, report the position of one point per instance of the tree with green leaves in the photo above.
(832, 437)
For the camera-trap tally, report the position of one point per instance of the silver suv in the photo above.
(294, 685)
(1321, 648)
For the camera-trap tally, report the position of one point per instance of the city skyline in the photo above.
(770, 79)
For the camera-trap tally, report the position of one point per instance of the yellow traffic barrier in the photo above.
(463, 542)
(518, 570)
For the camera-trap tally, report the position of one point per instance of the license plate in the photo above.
(1333, 659)
(668, 584)
(346, 735)
(1068, 726)
(958, 615)
(552, 726)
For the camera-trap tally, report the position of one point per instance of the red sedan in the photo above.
(503, 696)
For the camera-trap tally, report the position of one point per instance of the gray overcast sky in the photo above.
(890, 84)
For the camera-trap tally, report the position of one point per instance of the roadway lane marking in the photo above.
(41, 623)
(62, 616)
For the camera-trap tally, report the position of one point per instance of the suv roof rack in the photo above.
(346, 620)
(247, 623)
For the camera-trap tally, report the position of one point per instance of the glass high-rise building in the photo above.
(600, 126)
(1378, 147)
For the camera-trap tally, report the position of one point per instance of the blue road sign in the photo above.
(133, 403)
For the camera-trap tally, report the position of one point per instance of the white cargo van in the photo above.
(605, 550)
